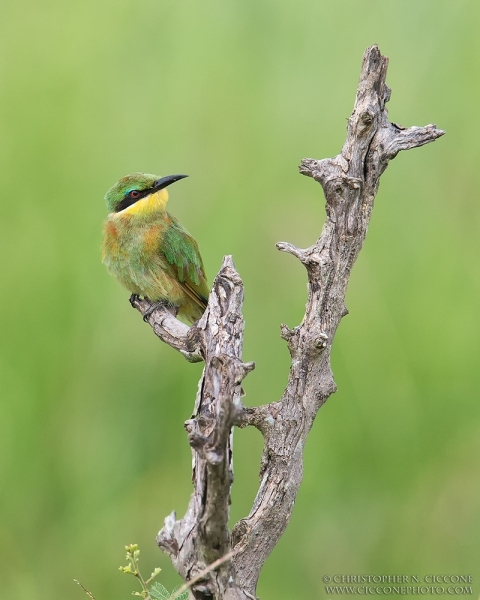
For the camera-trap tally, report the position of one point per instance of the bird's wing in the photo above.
(182, 253)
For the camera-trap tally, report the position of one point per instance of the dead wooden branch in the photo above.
(350, 182)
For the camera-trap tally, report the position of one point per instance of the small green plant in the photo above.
(150, 590)
(158, 592)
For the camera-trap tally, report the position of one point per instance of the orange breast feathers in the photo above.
(152, 238)
(110, 239)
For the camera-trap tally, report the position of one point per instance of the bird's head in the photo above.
(135, 187)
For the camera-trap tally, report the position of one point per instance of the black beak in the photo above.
(166, 181)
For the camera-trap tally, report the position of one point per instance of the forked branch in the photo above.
(350, 182)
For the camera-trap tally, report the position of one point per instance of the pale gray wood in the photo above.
(350, 182)
(202, 536)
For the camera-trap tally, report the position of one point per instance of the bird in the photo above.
(149, 251)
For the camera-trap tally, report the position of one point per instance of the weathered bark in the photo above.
(350, 182)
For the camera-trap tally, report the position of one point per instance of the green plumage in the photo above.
(181, 250)
(149, 251)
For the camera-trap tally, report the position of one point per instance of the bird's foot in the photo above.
(148, 313)
(134, 298)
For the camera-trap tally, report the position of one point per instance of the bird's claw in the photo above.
(148, 313)
(172, 309)
(134, 298)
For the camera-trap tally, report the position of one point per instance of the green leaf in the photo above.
(183, 596)
(158, 592)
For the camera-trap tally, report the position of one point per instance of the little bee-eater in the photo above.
(148, 250)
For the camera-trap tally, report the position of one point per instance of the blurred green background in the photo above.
(234, 93)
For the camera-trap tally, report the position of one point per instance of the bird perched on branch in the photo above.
(148, 250)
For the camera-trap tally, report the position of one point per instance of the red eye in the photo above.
(134, 193)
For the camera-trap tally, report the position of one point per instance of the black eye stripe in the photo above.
(128, 200)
